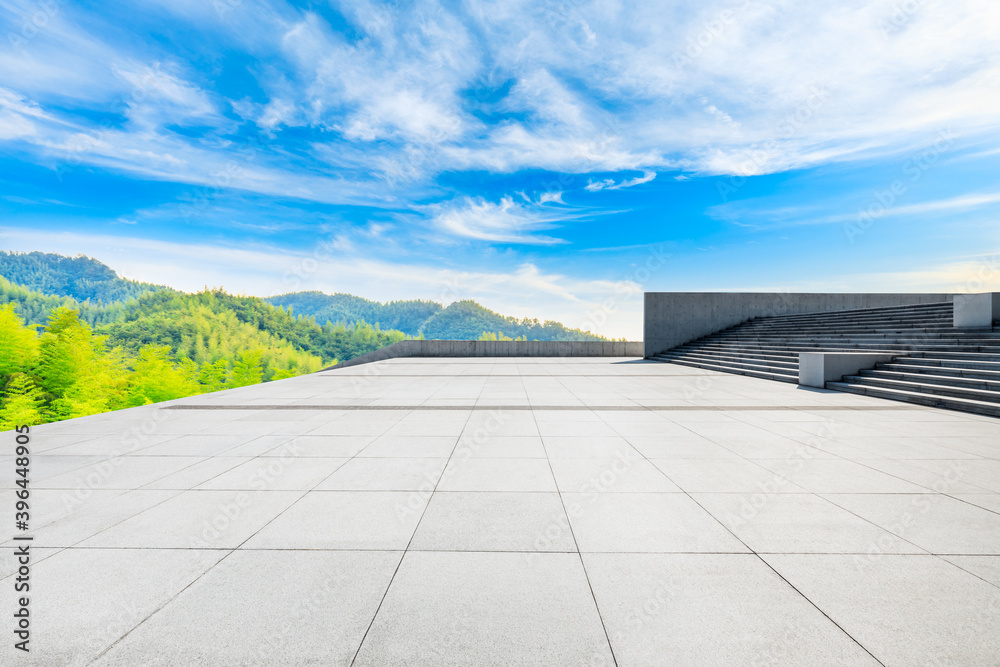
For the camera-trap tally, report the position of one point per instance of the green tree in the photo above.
(102, 387)
(248, 370)
(18, 343)
(22, 402)
(154, 378)
(212, 375)
(66, 351)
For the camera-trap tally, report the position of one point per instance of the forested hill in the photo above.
(76, 339)
(466, 320)
(98, 294)
(405, 316)
(80, 278)
(461, 320)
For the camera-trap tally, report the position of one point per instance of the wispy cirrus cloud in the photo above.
(506, 221)
(610, 184)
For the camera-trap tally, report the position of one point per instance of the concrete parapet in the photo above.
(502, 348)
(977, 310)
(818, 368)
(675, 318)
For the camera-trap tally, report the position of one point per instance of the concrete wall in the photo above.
(503, 348)
(675, 318)
(977, 310)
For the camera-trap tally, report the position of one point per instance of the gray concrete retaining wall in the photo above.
(502, 348)
(675, 318)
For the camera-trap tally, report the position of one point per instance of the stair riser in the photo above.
(932, 371)
(764, 376)
(944, 380)
(932, 401)
(936, 390)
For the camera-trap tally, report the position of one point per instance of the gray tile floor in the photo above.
(514, 511)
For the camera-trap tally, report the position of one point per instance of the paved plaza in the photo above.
(522, 511)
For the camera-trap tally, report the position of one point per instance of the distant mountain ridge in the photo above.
(99, 294)
(461, 320)
(80, 278)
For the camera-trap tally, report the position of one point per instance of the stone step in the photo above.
(867, 331)
(874, 320)
(856, 317)
(926, 388)
(705, 349)
(932, 379)
(965, 405)
(737, 360)
(949, 363)
(941, 349)
(886, 310)
(933, 362)
(781, 377)
(946, 371)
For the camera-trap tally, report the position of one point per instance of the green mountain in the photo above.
(76, 339)
(467, 320)
(40, 282)
(80, 278)
(405, 316)
(461, 320)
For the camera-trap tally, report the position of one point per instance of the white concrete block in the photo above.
(818, 368)
(976, 310)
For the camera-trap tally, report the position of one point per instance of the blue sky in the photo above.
(549, 159)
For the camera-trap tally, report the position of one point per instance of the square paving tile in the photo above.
(489, 521)
(614, 475)
(312, 607)
(935, 522)
(906, 610)
(798, 523)
(646, 522)
(497, 475)
(197, 519)
(724, 476)
(382, 520)
(447, 608)
(383, 474)
(86, 599)
(711, 609)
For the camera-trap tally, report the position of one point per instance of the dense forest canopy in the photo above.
(461, 320)
(80, 278)
(76, 339)
(405, 316)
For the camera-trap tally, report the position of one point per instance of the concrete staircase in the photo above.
(937, 364)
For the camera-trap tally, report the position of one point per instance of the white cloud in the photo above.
(503, 222)
(521, 290)
(596, 87)
(609, 184)
(792, 216)
(550, 197)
